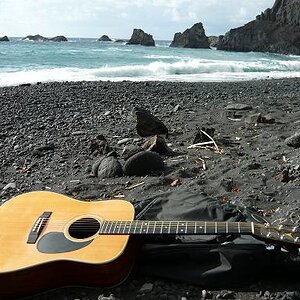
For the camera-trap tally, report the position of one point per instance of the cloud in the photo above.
(162, 18)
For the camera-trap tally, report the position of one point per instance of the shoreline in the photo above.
(140, 80)
(69, 115)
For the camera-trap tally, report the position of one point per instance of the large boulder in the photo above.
(4, 39)
(193, 37)
(40, 38)
(275, 30)
(139, 37)
(104, 38)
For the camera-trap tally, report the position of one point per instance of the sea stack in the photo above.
(139, 37)
(4, 39)
(104, 38)
(40, 38)
(193, 37)
(275, 30)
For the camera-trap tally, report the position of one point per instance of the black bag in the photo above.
(216, 262)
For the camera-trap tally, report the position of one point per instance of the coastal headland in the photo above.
(47, 131)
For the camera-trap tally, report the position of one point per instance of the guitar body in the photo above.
(41, 247)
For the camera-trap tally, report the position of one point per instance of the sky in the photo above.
(117, 18)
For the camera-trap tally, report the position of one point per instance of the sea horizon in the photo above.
(86, 59)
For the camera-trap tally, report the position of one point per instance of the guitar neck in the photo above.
(175, 227)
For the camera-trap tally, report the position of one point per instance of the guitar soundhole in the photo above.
(84, 228)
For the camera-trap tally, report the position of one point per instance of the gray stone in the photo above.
(146, 288)
(294, 140)
(253, 119)
(193, 37)
(110, 167)
(238, 106)
(124, 141)
(143, 163)
(11, 185)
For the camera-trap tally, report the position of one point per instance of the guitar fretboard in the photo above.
(175, 227)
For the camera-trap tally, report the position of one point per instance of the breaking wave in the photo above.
(181, 70)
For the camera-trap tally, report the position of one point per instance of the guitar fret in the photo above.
(154, 227)
(176, 227)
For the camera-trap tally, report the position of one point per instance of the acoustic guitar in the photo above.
(48, 240)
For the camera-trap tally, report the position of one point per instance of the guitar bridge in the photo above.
(38, 227)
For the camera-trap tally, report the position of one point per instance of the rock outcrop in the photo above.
(104, 38)
(139, 37)
(4, 39)
(275, 30)
(213, 41)
(59, 38)
(193, 37)
(39, 38)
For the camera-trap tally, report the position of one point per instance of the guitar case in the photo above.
(214, 261)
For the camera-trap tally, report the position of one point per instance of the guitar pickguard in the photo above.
(56, 242)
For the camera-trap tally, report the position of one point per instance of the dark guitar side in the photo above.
(28, 282)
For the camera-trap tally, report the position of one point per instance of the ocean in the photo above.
(90, 60)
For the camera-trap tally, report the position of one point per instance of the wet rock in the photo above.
(139, 37)
(110, 167)
(59, 38)
(148, 125)
(143, 163)
(294, 140)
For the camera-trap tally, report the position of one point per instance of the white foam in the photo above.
(182, 70)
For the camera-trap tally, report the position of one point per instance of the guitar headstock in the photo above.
(286, 235)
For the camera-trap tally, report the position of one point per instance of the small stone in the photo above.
(146, 288)
(253, 119)
(110, 167)
(238, 106)
(107, 113)
(124, 141)
(294, 140)
(11, 185)
(78, 132)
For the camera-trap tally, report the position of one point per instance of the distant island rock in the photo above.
(193, 37)
(120, 41)
(104, 38)
(139, 37)
(39, 38)
(275, 30)
(4, 39)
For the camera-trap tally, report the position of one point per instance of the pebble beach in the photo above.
(47, 130)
